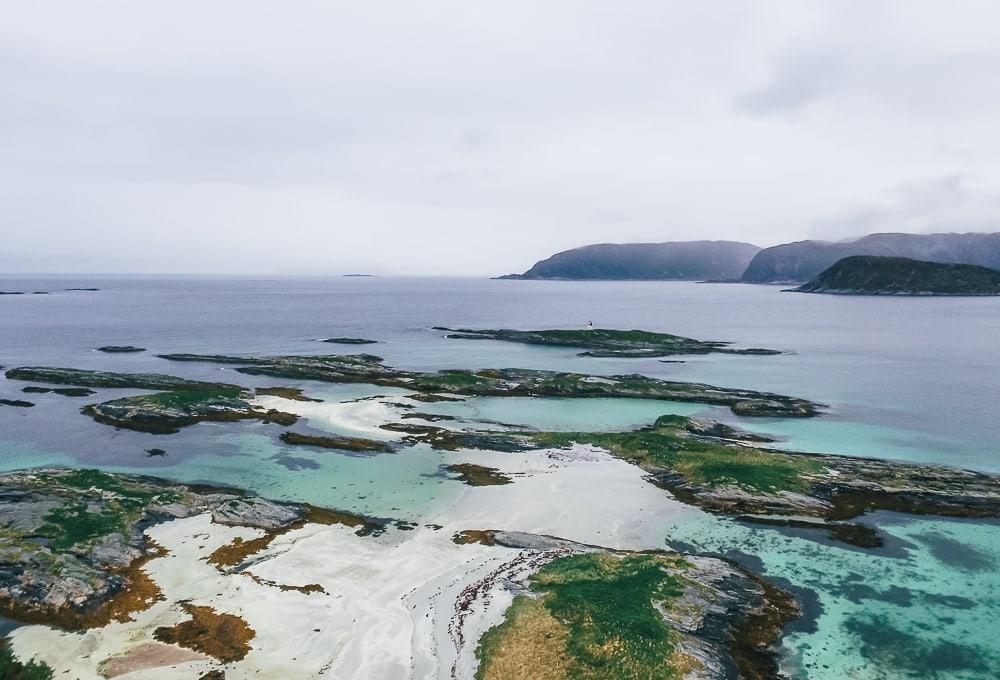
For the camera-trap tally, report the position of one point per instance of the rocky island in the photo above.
(513, 382)
(605, 342)
(871, 275)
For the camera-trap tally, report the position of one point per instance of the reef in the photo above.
(64, 391)
(85, 378)
(478, 475)
(509, 382)
(604, 342)
(357, 444)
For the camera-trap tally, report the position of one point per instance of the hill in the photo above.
(679, 260)
(871, 275)
(804, 260)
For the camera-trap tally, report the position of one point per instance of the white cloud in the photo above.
(453, 137)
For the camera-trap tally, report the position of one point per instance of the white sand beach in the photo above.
(404, 604)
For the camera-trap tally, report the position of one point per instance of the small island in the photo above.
(606, 342)
(873, 275)
(120, 349)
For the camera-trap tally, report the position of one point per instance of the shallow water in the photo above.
(911, 379)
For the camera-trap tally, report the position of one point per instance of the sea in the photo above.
(908, 379)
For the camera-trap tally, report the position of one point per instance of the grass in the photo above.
(704, 463)
(101, 504)
(595, 617)
(12, 669)
(72, 524)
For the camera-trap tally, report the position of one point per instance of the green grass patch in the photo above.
(706, 463)
(72, 524)
(12, 669)
(606, 607)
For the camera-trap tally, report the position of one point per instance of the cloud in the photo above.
(456, 138)
(796, 80)
(950, 203)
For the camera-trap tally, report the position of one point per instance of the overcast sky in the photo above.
(475, 138)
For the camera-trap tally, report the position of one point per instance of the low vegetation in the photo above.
(590, 617)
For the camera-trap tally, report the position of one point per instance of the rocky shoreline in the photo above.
(74, 543)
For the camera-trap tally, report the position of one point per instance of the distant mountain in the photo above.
(680, 260)
(872, 275)
(804, 260)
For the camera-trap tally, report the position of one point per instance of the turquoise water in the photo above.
(905, 379)
(924, 607)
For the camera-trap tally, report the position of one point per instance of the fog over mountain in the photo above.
(462, 138)
(804, 260)
(690, 260)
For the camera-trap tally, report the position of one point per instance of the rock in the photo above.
(251, 511)
(502, 382)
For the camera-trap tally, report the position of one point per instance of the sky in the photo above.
(469, 138)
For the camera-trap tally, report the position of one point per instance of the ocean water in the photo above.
(909, 379)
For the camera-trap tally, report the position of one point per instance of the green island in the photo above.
(875, 275)
(177, 402)
(509, 382)
(605, 342)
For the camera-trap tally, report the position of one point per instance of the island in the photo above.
(120, 349)
(509, 382)
(605, 342)
(873, 275)
(671, 261)
(804, 260)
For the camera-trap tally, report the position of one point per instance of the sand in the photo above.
(406, 604)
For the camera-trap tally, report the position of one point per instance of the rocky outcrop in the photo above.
(504, 382)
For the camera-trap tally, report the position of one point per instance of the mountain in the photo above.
(872, 275)
(680, 260)
(804, 260)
